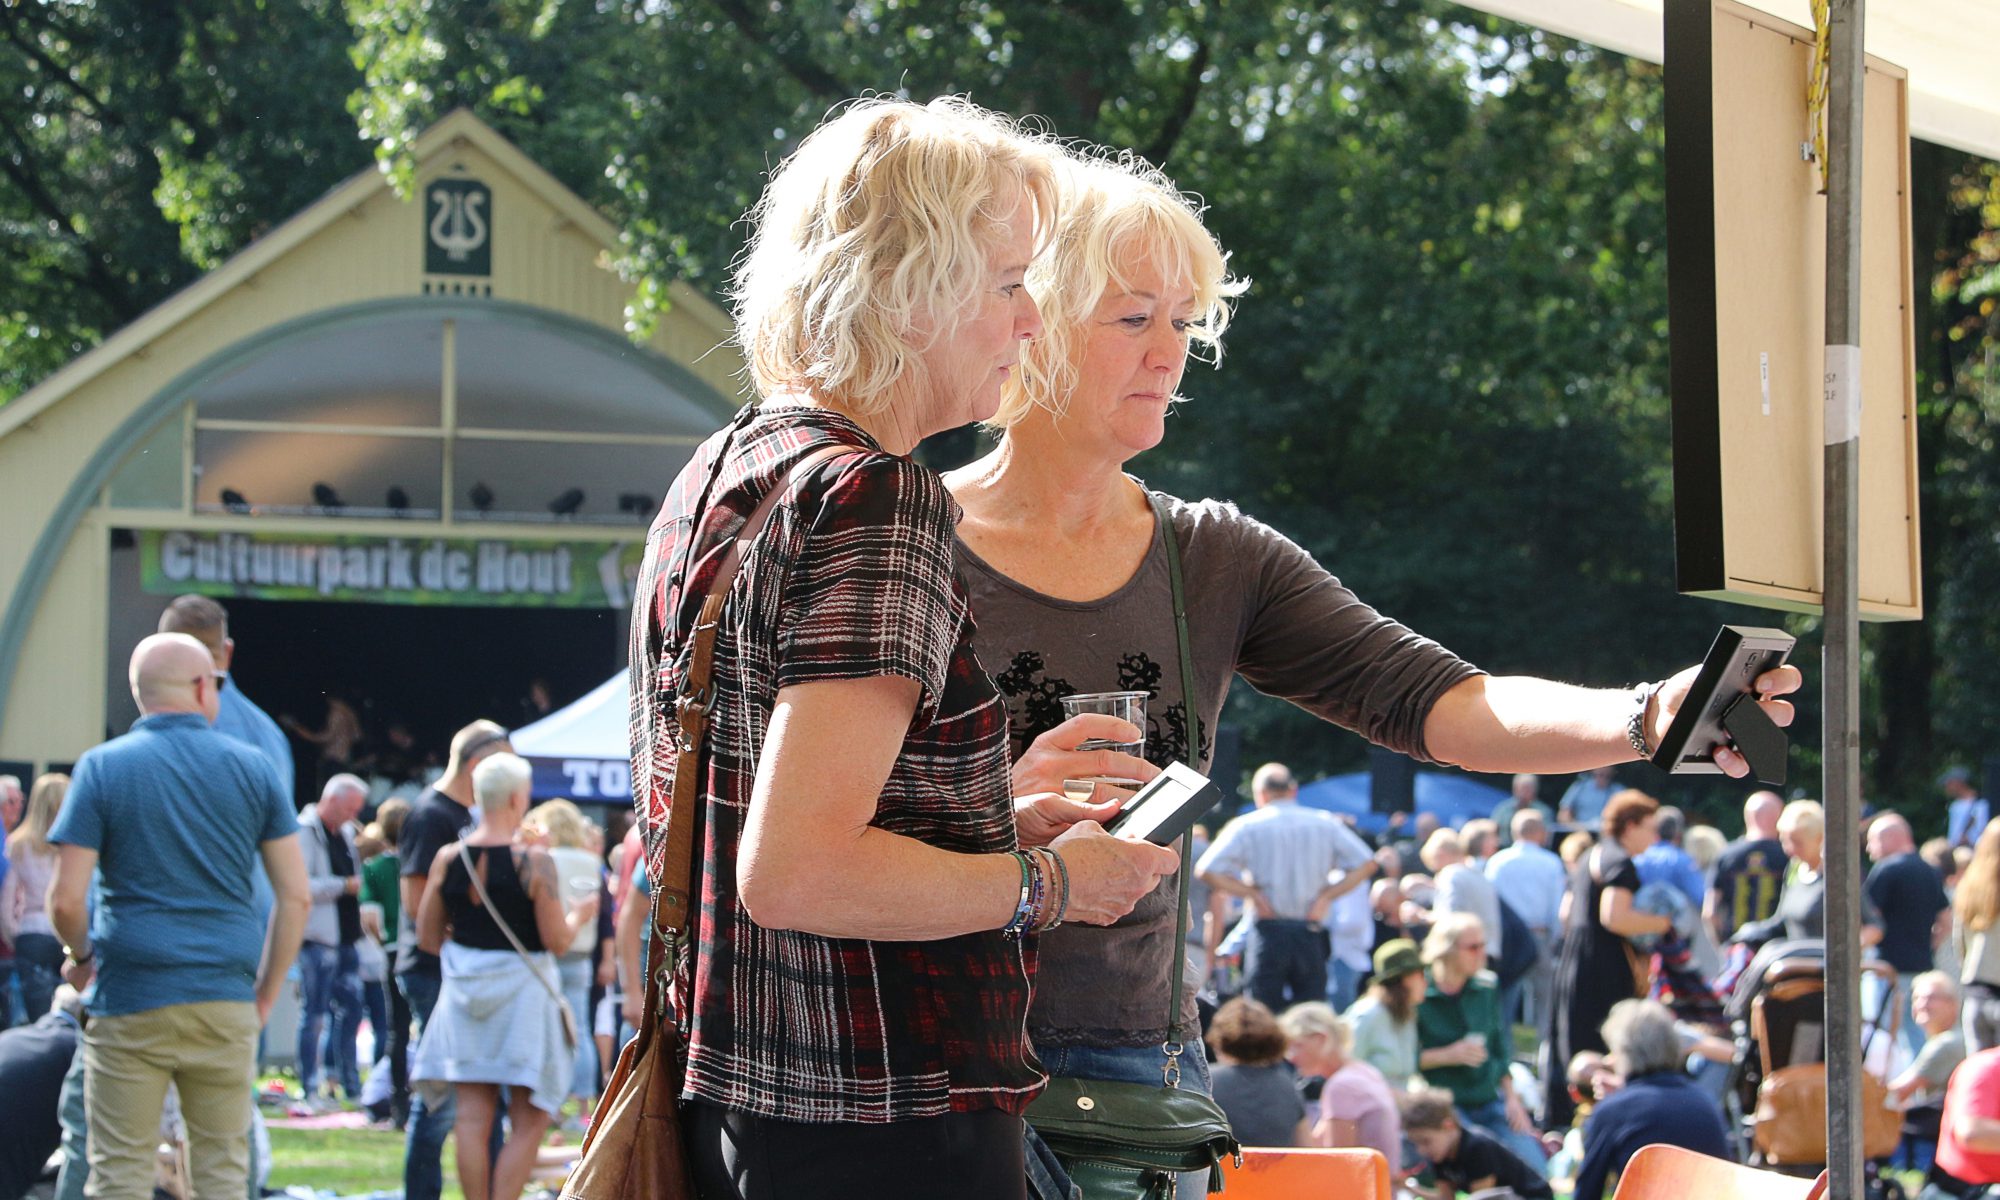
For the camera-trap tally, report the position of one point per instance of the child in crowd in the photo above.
(1590, 1078)
(1464, 1158)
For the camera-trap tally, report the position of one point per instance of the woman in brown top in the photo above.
(858, 982)
(1065, 563)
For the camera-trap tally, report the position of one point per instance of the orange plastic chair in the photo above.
(1663, 1172)
(1352, 1174)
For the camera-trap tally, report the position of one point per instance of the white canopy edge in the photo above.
(1947, 46)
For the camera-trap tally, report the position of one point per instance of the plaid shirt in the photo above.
(853, 578)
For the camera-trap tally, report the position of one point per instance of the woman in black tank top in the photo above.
(495, 1023)
(501, 867)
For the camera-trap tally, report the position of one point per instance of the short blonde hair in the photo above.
(1317, 1016)
(872, 238)
(498, 778)
(1803, 817)
(1704, 844)
(1115, 209)
(563, 821)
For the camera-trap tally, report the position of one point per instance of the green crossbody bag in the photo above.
(1130, 1141)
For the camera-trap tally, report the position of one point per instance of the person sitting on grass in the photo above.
(1657, 1102)
(1251, 1081)
(1357, 1107)
(1465, 1158)
(1465, 1045)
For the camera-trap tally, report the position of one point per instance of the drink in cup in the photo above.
(1126, 706)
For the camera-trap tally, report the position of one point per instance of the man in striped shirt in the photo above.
(1289, 864)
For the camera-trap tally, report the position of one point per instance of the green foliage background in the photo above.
(1449, 379)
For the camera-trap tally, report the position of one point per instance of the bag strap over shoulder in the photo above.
(479, 885)
(1171, 540)
(672, 892)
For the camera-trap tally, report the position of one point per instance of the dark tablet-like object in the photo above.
(1167, 807)
(1721, 708)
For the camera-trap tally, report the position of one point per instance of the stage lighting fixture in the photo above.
(399, 501)
(481, 496)
(234, 501)
(568, 503)
(326, 497)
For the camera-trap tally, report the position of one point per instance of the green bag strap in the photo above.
(1173, 1046)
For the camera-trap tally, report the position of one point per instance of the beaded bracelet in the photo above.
(1024, 912)
(1062, 888)
(1038, 897)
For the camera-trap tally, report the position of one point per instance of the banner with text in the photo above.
(472, 572)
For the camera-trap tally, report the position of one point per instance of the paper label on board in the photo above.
(1843, 394)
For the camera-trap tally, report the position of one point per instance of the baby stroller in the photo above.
(1777, 1093)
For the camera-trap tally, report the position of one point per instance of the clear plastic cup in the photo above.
(1126, 706)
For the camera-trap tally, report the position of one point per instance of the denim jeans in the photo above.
(375, 1001)
(329, 988)
(75, 1133)
(430, 1128)
(1492, 1117)
(575, 976)
(1342, 983)
(1118, 1064)
(38, 957)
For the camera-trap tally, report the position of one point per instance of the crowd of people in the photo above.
(910, 914)
(160, 903)
(1631, 938)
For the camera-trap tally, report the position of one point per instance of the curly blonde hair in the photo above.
(1116, 209)
(872, 238)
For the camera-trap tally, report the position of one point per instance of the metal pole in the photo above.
(1842, 659)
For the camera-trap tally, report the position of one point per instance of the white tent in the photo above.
(1946, 45)
(582, 752)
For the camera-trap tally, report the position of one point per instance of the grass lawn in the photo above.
(345, 1161)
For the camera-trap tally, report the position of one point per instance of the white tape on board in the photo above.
(1764, 378)
(1843, 394)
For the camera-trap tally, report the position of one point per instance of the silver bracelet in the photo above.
(1635, 726)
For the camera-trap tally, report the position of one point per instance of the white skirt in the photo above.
(494, 1023)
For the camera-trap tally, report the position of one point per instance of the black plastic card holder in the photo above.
(1166, 807)
(1721, 709)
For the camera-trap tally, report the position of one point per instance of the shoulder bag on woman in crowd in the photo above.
(562, 1005)
(1131, 1141)
(636, 1149)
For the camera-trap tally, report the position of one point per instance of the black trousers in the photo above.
(964, 1156)
(1285, 962)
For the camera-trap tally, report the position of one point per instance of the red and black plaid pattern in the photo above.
(853, 578)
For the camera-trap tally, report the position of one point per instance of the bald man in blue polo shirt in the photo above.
(180, 965)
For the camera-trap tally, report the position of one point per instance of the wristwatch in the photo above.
(81, 960)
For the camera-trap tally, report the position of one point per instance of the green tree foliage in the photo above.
(1448, 380)
(142, 143)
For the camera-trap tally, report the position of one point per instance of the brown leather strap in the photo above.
(672, 893)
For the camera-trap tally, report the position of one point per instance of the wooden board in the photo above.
(1746, 237)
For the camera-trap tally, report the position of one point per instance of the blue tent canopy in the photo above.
(1454, 799)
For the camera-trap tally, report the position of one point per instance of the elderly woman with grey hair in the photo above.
(1658, 1102)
